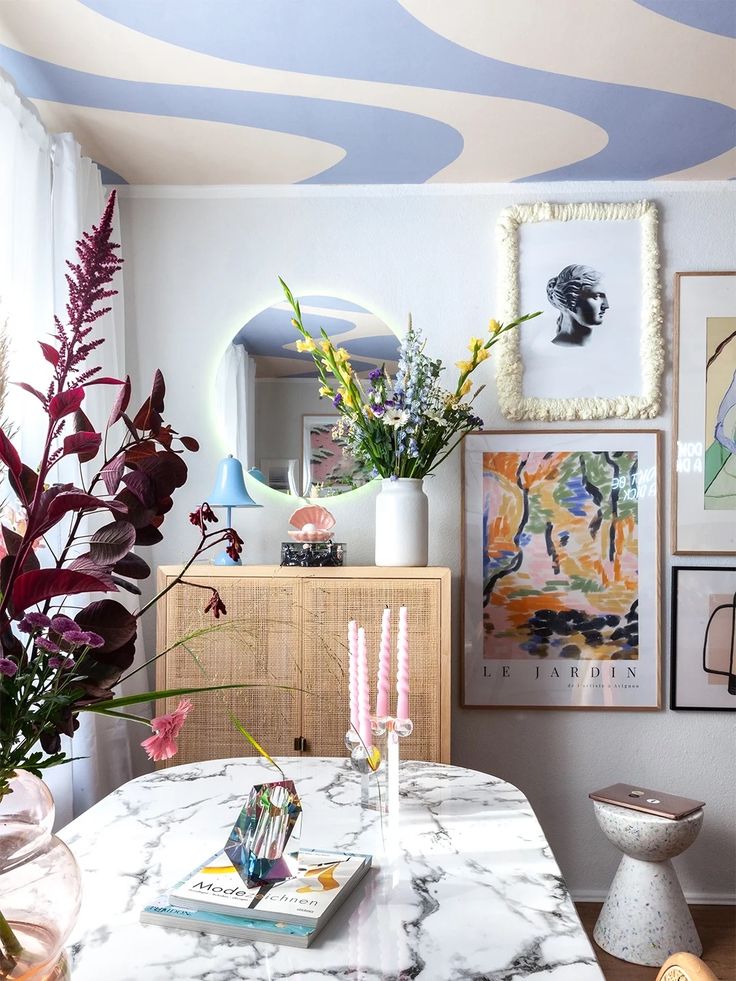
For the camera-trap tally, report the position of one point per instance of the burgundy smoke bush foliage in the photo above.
(66, 663)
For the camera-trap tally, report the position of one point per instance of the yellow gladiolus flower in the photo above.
(494, 327)
(475, 343)
(306, 345)
(465, 387)
(464, 366)
(481, 355)
(325, 392)
(341, 355)
(326, 346)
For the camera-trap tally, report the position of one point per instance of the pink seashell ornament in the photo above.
(313, 524)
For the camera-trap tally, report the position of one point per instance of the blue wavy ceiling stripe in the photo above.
(268, 332)
(419, 147)
(109, 176)
(650, 132)
(714, 16)
(332, 303)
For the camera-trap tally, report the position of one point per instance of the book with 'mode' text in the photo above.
(214, 899)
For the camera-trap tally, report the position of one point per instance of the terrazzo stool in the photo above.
(645, 917)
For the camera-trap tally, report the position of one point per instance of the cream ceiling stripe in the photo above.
(583, 38)
(147, 149)
(67, 33)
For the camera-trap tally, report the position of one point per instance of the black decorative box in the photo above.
(313, 553)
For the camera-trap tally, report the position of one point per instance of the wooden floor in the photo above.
(716, 926)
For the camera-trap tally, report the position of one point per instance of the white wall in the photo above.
(200, 262)
(280, 405)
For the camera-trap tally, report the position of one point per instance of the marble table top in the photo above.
(475, 891)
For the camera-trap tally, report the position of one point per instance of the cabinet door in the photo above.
(257, 642)
(328, 605)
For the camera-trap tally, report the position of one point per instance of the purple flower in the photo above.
(47, 645)
(61, 662)
(7, 667)
(34, 621)
(79, 638)
(94, 640)
(61, 624)
(375, 374)
(337, 400)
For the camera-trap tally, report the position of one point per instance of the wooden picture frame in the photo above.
(704, 365)
(561, 569)
(593, 270)
(702, 657)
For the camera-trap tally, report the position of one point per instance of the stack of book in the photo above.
(214, 899)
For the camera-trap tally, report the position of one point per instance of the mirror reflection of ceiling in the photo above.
(270, 337)
(382, 91)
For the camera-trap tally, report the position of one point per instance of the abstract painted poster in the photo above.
(719, 438)
(704, 431)
(560, 593)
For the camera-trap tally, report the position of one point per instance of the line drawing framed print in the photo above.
(703, 651)
(704, 423)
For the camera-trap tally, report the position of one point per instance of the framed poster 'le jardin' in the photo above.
(561, 569)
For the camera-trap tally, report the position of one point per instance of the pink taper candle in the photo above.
(364, 692)
(384, 666)
(353, 675)
(402, 673)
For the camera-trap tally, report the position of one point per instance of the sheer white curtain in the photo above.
(26, 281)
(106, 752)
(236, 401)
(49, 194)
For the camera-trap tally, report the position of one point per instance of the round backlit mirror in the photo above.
(269, 391)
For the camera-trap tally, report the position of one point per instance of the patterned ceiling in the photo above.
(383, 91)
(270, 338)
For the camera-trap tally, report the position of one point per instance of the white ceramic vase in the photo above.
(402, 523)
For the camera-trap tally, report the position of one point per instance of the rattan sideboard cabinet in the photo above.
(285, 636)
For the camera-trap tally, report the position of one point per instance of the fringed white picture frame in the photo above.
(597, 350)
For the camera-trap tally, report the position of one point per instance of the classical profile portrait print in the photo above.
(577, 293)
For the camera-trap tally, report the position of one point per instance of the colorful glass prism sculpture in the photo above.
(258, 840)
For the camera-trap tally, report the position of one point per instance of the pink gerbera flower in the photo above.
(162, 744)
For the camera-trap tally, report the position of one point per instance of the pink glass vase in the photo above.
(40, 885)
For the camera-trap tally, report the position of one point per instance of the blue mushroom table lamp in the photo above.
(230, 492)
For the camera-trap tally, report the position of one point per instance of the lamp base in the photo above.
(222, 558)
